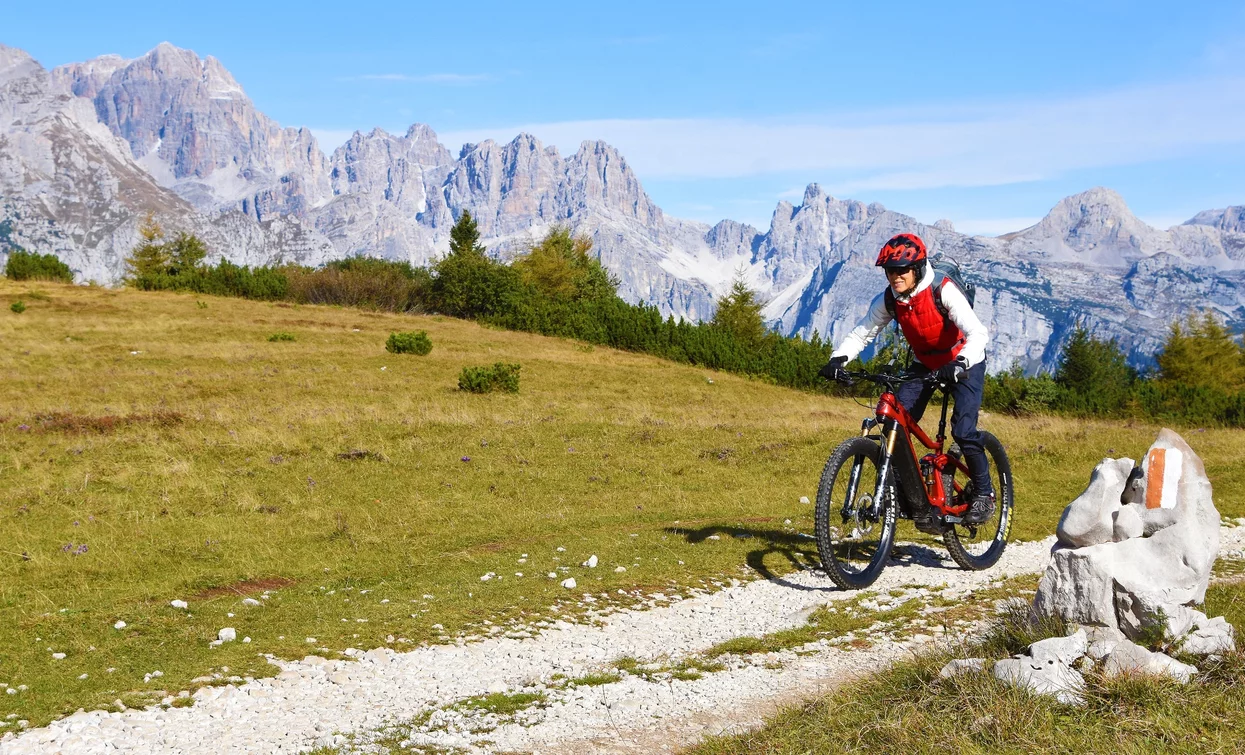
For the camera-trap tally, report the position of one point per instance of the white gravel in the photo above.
(314, 702)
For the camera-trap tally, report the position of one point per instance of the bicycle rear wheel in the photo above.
(980, 546)
(855, 530)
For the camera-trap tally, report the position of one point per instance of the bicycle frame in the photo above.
(896, 421)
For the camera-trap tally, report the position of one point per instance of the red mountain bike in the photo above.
(874, 479)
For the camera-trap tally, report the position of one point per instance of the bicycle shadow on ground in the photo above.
(800, 552)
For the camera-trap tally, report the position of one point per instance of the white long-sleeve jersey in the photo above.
(960, 312)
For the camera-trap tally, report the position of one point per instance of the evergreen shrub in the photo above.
(23, 265)
(500, 377)
(416, 342)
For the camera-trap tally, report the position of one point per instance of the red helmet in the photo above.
(904, 250)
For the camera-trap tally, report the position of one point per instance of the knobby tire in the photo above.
(828, 516)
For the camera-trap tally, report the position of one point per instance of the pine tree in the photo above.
(1094, 374)
(1202, 353)
(739, 313)
(151, 257)
(465, 236)
(185, 252)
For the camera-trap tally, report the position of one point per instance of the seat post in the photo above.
(942, 421)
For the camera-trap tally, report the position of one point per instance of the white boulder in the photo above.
(228, 634)
(1141, 582)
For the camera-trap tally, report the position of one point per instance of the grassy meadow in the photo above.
(158, 446)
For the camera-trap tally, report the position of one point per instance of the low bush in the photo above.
(17, 307)
(409, 343)
(275, 337)
(363, 282)
(500, 377)
(23, 265)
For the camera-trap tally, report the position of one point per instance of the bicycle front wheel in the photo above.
(979, 546)
(855, 517)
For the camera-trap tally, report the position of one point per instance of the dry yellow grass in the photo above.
(189, 454)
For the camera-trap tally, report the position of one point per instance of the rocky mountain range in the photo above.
(88, 150)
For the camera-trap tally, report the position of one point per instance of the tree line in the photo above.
(558, 288)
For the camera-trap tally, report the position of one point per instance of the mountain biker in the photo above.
(947, 338)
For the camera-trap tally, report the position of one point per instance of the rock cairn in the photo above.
(1132, 560)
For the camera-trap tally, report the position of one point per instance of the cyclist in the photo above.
(947, 338)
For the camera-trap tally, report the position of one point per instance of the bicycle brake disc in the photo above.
(861, 524)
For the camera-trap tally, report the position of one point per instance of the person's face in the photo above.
(902, 280)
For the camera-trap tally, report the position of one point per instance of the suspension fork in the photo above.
(890, 434)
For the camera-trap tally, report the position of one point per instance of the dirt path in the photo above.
(353, 704)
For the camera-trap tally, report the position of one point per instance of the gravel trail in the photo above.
(316, 702)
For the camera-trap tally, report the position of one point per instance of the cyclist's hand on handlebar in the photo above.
(950, 374)
(835, 369)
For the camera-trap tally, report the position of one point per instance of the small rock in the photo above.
(228, 634)
(58, 656)
(591, 563)
(250, 602)
(1211, 636)
(804, 499)
(179, 604)
(497, 688)
(568, 583)
(246, 639)
(962, 666)
(119, 625)
(1058, 681)
(620, 569)
(1130, 658)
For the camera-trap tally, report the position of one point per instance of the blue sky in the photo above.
(983, 113)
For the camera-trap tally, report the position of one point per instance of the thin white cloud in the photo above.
(453, 79)
(973, 144)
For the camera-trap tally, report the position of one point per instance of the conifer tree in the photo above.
(151, 257)
(185, 252)
(1202, 353)
(465, 236)
(1094, 374)
(739, 313)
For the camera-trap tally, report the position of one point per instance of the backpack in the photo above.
(945, 269)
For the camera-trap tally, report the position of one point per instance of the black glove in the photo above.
(952, 373)
(834, 369)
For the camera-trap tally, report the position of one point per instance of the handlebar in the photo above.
(889, 380)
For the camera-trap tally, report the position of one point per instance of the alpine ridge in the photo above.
(88, 150)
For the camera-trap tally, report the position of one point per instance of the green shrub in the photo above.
(281, 337)
(499, 377)
(17, 307)
(23, 265)
(409, 343)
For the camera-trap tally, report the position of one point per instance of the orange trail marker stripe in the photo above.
(1154, 478)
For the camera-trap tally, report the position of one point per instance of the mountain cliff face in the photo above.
(71, 187)
(191, 126)
(90, 149)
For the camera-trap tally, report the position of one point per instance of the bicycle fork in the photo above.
(853, 484)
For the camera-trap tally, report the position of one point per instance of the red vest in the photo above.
(934, 338)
